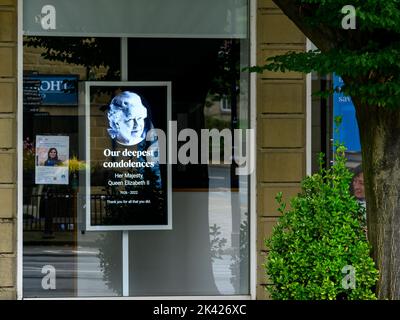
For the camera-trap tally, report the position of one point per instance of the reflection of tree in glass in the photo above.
(88, 52)
(110, 260)
(240, 262)
(225, 82)
(217, 243)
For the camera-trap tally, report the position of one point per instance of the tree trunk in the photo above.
(380, 140)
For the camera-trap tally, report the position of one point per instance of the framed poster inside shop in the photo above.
(126, 132)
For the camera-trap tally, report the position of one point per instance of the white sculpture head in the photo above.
(126, 118)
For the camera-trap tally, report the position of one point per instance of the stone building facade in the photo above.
(8, 149)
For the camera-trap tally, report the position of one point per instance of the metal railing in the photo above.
(58, 211)
(49, 212)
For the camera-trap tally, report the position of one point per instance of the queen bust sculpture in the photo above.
(128, 119)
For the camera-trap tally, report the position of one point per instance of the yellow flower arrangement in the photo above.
(75, 165)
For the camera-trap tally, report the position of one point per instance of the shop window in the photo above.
(206, 250)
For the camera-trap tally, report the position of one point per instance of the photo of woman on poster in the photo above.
(52, 155)
(52, 158)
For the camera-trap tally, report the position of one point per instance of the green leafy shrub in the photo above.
(314, 242)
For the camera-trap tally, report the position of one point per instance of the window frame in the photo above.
(252, 13)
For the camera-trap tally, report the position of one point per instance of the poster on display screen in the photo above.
(127, 186)
(52, 155)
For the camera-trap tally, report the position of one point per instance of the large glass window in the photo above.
(206, 250)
